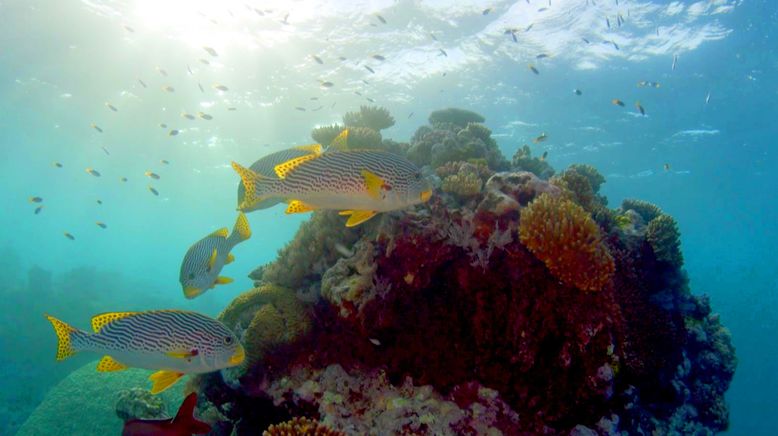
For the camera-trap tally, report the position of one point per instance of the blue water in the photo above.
(60, 62)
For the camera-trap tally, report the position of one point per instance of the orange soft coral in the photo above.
(562, 235)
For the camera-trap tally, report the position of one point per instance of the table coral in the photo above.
(373, 117)
(562, 235)
(459, 117)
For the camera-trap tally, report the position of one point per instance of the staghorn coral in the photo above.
(301, 426)
(265, 317)
(665, 239)
(523, 161)
(567, 240)
(645, 209)
(373, 117)
(325, 134)
(459, 117)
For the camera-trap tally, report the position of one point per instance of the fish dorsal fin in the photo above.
(283, 169)
(103, 319)
(109, 364)
(163, 379)
(311, 148)
(223, 232)
(212, 259)
(297, 206)
(340, 143)
(359, 216)
(373, 183)
(230, 258)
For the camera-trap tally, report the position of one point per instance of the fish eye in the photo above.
(191, 276)
(227, 340)
(417, 176)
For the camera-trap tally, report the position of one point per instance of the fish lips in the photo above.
(237, 357)
(425, 195)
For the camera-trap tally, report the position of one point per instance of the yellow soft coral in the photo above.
(567, 240)
(301, 426)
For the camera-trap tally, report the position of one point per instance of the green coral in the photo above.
(266, 317)
(325, 134)
(462, 185)
(477, 130)
(460, 117)
(374, 117)
(648, 211)
(363, 138)
(595, 178)
(665, 239)
(523, 160)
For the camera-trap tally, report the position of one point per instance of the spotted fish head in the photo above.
(200, 267)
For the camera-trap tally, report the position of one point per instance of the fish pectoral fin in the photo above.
(109, 364)
(311, 148)
(230, 258)
(180, 354)
(212, 259)
(284, 168)
(340, 143)
(223, 232)
(103, 319)
(161, 380)
(359, 216)
(345, 212)
(297, 206)
(221, 280)
(373, 183)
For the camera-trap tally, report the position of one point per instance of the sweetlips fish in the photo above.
(173, 342)
(205, 258)
(184, 424)
(359, 183)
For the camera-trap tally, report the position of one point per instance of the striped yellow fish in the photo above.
(205, 258)
(359, 183)
(173, 342)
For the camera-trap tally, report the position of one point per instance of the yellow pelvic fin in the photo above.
(108, 364)
(103, 319)
(221, 280)
(212, 259)
(249, 179)
(230, 258)
(297, 206)
(340, 143)
(64, 345)
(284, 168)
(312, 148)
(359, 216)
(373, 183)
(222, 232)
(242, 229)
(163, 379)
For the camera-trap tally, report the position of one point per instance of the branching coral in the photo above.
(460, 117)
(523, 161)
(665, 239)
(592, 175)
(374, 117)
(325, 134)
(301, 426)
(562, 235)
(463, 179)
(578, 188)
(646, 210)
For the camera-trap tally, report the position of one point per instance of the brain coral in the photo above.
(562, 235)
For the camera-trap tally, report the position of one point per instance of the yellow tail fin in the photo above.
(64, 331)
(241, 231)
(250, 180)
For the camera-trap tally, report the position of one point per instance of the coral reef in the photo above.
(665, 239)
(139, 403)
(523, 161)
(358, 137)
(372, 117)
(98, 415)
(458, 117)
(525, 306)
(646, 210)
(301, 427)
(325, 134)
(562, 235)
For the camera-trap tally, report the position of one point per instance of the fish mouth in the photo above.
(425, 195)
(238, 356)
(192, 291)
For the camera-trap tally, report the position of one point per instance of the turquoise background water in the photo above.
(60, 62)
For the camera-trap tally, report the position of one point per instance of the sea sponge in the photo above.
(460, 117)
(665, 239)
(374, 117)
(646, 210)
(564, 236)
(265, 317)
(523, 161)
(301, 426)
(325, 134)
